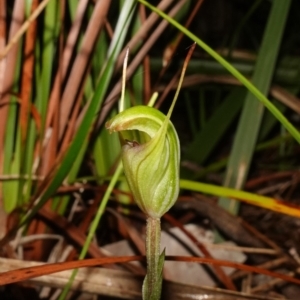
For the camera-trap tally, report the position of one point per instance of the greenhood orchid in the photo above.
(150, 155)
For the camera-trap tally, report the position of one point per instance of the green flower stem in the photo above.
(153, 233)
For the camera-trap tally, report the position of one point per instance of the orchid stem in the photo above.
(153, 281)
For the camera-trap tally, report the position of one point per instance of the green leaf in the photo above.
(249, 124)
(155, 295)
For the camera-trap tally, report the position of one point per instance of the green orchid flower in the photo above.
(150, 155)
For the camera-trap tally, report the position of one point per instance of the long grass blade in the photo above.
(206, 139)
(260, 96)
(253, 111)
(253, 199)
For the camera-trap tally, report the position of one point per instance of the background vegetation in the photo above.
(60, 80)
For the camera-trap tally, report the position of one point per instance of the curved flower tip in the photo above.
(150, 155)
